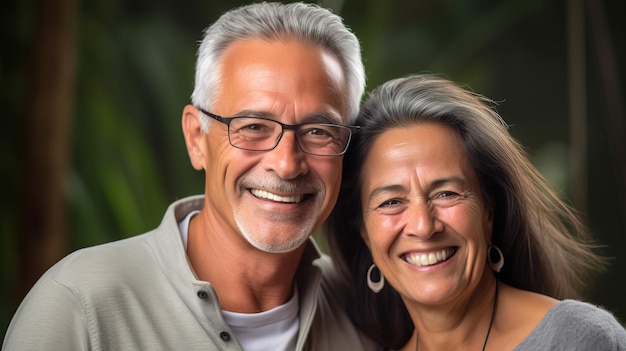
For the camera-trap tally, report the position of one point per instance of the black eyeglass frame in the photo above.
(294, 127)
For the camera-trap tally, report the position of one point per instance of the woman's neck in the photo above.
(461, 325)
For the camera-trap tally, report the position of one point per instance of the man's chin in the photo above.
(276, 232)
(269, 243)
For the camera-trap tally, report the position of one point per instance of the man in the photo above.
(234, 269)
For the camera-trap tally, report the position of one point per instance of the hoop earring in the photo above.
(376, 287)
(495, 258)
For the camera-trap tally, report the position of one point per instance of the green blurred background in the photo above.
(92, 94)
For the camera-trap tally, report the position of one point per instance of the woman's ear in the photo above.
(488, 221)
(194, 137)
(365, 236)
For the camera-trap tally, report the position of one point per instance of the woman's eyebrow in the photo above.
(448, 180)
(385, 189)
(433, 185)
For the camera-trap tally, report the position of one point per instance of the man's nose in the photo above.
(287, 159)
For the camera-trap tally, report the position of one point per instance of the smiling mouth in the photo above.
(262, 194)
(430, 258)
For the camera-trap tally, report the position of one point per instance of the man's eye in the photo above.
(318, 132)
(252, 127)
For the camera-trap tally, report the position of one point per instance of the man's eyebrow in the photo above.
(312, 118)
(254, 113)
(322, 118)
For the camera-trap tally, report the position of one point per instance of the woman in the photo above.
(480, 253)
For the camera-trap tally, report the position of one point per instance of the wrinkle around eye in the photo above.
(446, 195)
(316, 131)
(390, 207)
(449, 198)
(391, 202)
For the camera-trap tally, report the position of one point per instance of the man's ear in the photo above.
(194, 137)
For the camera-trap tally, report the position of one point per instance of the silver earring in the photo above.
(376, 287)
(495, 258)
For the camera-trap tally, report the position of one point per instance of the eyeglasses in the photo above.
(263, 134)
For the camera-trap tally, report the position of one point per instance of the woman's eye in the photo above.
(446, 195)
(389, 203)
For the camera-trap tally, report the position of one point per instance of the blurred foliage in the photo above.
(135, 74)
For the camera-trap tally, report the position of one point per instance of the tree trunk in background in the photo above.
(577, 104)
(46, 129)
(609, 67)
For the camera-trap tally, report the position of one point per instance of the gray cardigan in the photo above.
(141, 294)
(574, 325)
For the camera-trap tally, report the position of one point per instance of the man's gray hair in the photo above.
(307, 23)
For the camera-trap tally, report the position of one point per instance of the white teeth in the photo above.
(267, 195)
(427, 259)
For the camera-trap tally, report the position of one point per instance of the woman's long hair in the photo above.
(545, 245)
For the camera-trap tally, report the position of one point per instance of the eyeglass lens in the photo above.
(262, 134)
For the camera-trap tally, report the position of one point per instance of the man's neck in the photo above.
(245, 279)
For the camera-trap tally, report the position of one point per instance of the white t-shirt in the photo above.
(276, 329)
